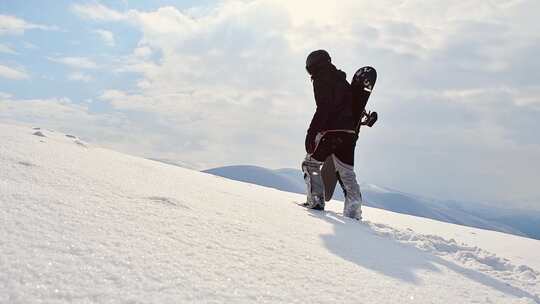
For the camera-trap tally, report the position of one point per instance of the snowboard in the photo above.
(361, 85)
(329, 177)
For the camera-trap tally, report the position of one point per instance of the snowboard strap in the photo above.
(321, 134)
(337, 130)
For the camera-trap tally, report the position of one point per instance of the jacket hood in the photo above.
(328, 70)
(341, 74)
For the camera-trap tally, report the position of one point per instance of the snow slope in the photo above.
(291, 180)
(83, 224)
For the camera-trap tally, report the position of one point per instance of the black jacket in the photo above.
(333, 97)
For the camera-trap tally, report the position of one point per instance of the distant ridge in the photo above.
(283, 179)
(291, 180)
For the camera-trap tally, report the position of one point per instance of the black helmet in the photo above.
(316, 59)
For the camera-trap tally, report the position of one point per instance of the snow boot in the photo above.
(315, 188)
(315, 202)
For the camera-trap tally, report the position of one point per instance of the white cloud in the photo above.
(30, 46)
(11, 25)
(11, 73)
(5, 95)
(96, 11)
(523, 96)
(115, 130)
(76, 62)
(52, 110)
(78, 76)
(106, 36)
(227, 85)
(142, 52)
(7, 49)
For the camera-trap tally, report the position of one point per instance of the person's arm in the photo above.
(323, 98)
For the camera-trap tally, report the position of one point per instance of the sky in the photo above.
(214, 83)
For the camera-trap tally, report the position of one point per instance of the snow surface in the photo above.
(292, 180)
(83, 224)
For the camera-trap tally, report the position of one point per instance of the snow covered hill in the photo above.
(81, 224)
(291, 180)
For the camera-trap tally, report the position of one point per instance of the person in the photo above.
(331, 133)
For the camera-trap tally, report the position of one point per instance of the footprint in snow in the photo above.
(39, 133)
(26, 164)
(80, 143)
(77, 140)
(167, 201)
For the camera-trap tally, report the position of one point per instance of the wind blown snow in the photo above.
(84, 224)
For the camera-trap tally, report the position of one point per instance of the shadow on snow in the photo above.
(394, 259)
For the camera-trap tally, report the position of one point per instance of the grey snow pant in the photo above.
(340, 145)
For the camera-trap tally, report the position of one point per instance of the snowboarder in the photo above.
(331, 133)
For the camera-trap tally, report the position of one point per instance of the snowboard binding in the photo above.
(362, 86)
(369, 118)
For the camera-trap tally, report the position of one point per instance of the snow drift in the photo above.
(85, 224)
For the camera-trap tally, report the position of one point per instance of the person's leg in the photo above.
(311, 167)
(351, 189)
(315, 188)
(344, 163)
